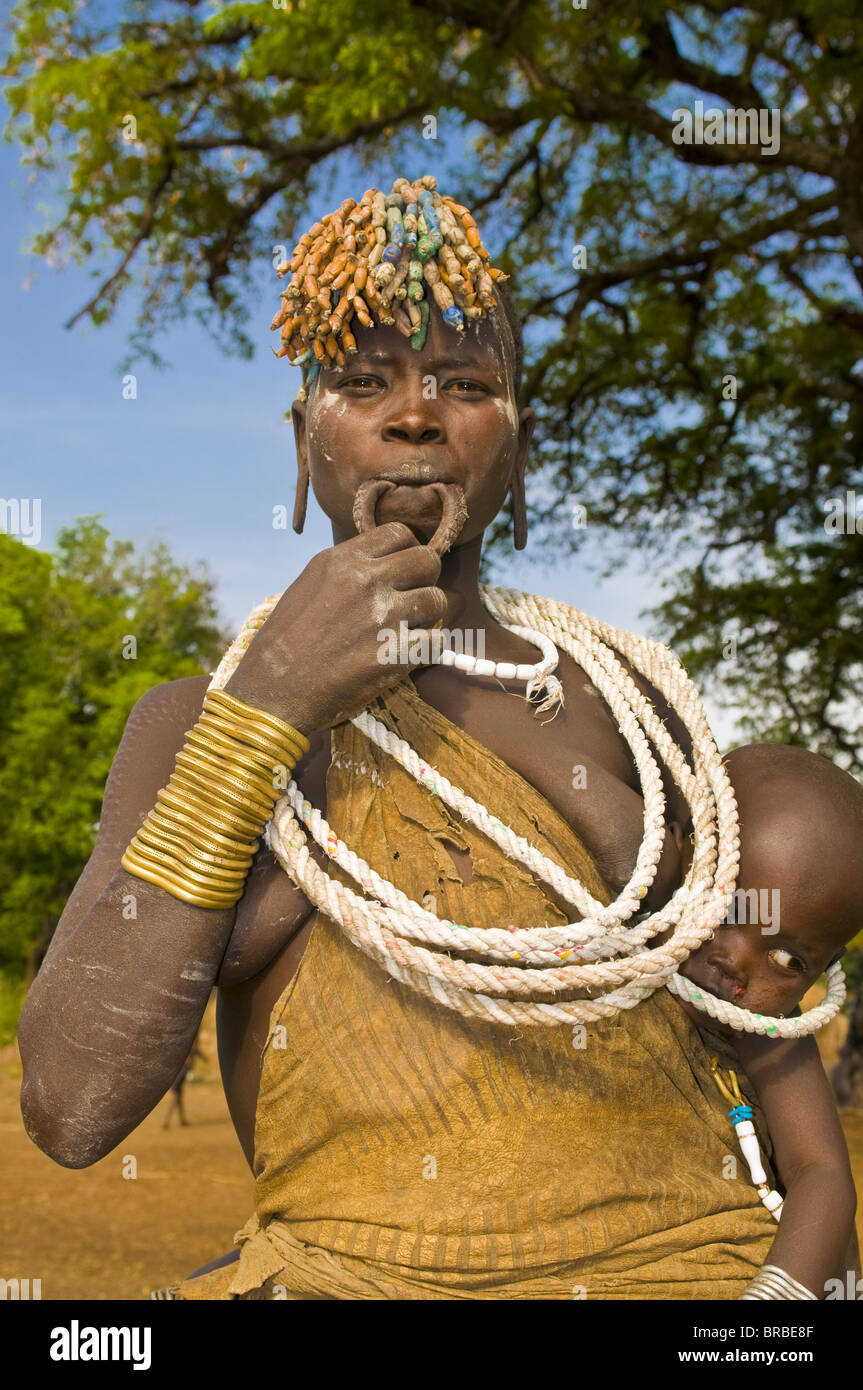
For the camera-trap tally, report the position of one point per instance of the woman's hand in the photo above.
(315, 662)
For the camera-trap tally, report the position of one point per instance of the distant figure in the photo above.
(847, 1075)
(177, 1084)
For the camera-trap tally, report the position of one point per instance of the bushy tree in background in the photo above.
(187, 138)
(66, 690)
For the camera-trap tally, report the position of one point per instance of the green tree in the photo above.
(697, 370)
(69, 677)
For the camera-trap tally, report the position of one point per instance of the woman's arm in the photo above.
(114, 1009)
(811, 1157)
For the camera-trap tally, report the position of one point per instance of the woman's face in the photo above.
(445, 414)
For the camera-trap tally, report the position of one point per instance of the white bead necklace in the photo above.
(604, 953)
(538, 679)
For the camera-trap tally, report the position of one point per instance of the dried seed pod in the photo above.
(449, 261)
(443, 296)
(383, 275)
(419, 338)
(360, 276)
(335, 267)
(349, 341)
(484, 289)
(403, 323)
(362, 312)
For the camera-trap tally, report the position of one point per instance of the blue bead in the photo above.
(453, 316)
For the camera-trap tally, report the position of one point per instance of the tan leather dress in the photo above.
(404, 1152)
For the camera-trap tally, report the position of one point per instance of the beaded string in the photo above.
(386, 926)
(741, 1116)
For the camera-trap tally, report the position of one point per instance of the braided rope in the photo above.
(394, 931)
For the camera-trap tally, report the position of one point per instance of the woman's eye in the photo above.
(466, 386)
(786, 961)
(360, 381)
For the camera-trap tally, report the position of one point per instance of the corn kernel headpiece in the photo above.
(377, 260)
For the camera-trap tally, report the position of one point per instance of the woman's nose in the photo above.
(413, 419)
(413, 428)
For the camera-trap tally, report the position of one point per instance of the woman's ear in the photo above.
(526, 422)
(298, 415)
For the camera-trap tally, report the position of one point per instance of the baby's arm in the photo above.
(811, 1158)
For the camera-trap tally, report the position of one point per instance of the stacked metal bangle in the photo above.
(772, 1284)
(200, 839)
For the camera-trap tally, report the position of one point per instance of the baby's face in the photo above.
(763, 970)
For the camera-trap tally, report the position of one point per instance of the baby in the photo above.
(801, 832)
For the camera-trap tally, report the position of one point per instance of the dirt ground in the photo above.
(94, 1234)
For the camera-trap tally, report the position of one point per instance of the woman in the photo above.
(400, 1149)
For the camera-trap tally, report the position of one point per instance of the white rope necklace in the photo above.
(601, 954)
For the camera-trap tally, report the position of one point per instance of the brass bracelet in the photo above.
(247, 817)
(281, 730)
(228, 759)
(199, 840)
(188, 869)
(204, 736)
(215, 865)
(176, 888)
(219, 820)
(179, 876)
(259, 794)
(179, 822)
(250, 737)
(229, 785)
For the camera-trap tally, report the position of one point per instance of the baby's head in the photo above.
(412, 356)
(798, 900)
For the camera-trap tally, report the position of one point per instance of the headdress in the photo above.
(376, 260)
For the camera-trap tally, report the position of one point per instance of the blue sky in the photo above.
(202, 455)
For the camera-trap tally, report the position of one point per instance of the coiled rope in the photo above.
(604, 954)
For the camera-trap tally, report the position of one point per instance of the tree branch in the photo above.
(147, 219)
